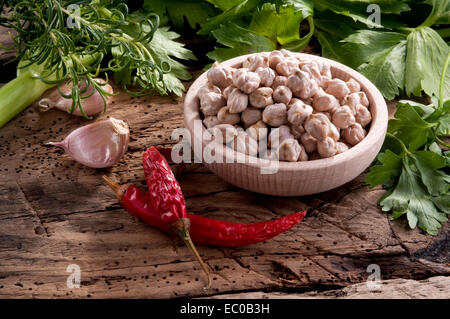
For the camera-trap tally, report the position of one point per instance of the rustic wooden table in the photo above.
(55, 213)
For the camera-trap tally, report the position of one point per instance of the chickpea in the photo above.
(266, 75)
(261, 97)
(220, 75)
(327, 147)
(237, 101)
(226, 117)
(258, 131)
(278, 135)
(337, 88)
(353, 86)
(298, 81)
(325, 70)
(255, 61)
(209, 87)
(243, 143)
(324, 102)
(303, 155)
(334, 132)
(275, 114)
(327, 114)
(309, 142)
(275, 57)
(299, 112)
(226, 92)
(287, 53)
(354, 134)
(293, 101)
(228, 132)
(341, 147)
(287, 66)
(318, 125)
(343, 117)
(211, 121)
(289, 150)
(279, 80)
(310, 90)
(246, 81)
(297, 131)
(312, 69)
(282, 94)
(210, 103)
(250, 116)
(353, 99)
(363, 115)
(363, 99)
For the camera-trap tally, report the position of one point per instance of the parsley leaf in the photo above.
(240, 41)
(409, 197)
(269, 27)
(196, 12)
(413, 166)
(389, 168)
(409, 127)
(163, 50)
(426, 54)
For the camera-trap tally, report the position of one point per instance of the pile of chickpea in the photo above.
(314, 115)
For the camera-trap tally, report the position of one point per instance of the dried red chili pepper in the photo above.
(164, 207)
(204, 230)
(167, 199)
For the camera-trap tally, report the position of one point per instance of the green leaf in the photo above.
(423, 110)
(224, 5)
(439, 13)
(364, 46)
(305, 6)
(444, 125)
(425, 57)
(163, 49)
(409, 127)
(428, 165)
(237, 11)
(442, 202)
(386, 70)
(281, 26)
(194, 11)
(240, 41)
(409, 197)
(389, 169)
(357, 9)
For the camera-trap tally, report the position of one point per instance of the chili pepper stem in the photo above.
(181, 228)
(119, 190)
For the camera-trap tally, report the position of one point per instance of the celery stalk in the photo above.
(19, 93)
(26, 88)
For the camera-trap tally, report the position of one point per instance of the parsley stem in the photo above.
(441, 86)
(405, 149)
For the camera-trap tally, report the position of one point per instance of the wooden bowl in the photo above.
(294, 178)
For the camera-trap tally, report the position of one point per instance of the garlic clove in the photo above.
(92, 105)
(97, 145)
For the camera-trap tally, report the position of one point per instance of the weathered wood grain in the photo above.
(434, 287)
(55, 212)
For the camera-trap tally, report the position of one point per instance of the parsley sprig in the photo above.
(414, 163)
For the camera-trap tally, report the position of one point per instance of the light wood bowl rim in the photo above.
(377, 131)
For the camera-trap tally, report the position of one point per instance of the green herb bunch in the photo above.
(414, 163)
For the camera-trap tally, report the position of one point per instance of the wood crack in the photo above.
(33, 211)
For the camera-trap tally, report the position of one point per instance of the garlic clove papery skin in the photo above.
(97, 145)
(92, 105)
